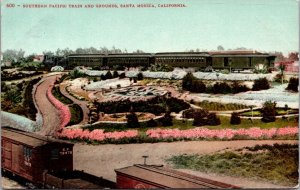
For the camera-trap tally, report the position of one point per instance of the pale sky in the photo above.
(264, 25)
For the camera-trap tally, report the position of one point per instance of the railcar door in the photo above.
(15, 158)
(6, 154)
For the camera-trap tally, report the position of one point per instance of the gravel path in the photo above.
(101, 160)
(51, 120)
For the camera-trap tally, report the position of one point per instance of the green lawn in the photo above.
(225, 123)
(277, 164)
(216, 106)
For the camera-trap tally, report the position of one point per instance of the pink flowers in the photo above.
(65, 114)
(97, 134)
(205, 133)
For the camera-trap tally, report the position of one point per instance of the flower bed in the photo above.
(97, 134)
(204, 133)
(65, 114)
(161, 135)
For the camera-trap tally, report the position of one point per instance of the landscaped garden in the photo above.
(119, 103)
(137, 110)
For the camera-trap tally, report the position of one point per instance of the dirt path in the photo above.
(101, 160)
(51, 120)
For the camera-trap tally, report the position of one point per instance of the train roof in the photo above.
(167, 178)
(129, 55)
(29, 139)
(165, 54)
(244, 53)
(86, 55)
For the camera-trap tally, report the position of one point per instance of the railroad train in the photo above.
(44, 162)
(48, 163)
(234, 60)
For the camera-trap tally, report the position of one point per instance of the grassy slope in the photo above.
(277, 164)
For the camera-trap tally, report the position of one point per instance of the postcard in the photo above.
(131, 94)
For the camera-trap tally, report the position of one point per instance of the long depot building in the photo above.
(235, 60)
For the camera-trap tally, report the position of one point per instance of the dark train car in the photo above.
(129, 60)
(29, 155)
(184, 59)
(240, 60)
(149, 176)
(88, 60)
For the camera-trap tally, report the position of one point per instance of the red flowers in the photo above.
(191, 134)
(97, 134)
(205, 133)
(65, 114)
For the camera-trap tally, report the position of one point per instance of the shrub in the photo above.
(132, 120)
(236, 87)
(3, 86)
(115, 74)
(269, 111)
(161, 67)
(213, 120)
(225, 88)
(167, 120)
(293, 84)
(28, 103)
(151, 123)
(278, 78)
(190, 113)
(108, 75)
(216, 88)
(76, 74)
(76, 114)
(261, 84)
(200, 117)
(235, 119)
(103, 77)
(198, 86)
(122, 75)
(140, 76)
(187, 81)
(58, 95)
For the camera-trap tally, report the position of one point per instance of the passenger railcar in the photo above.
(129, 60)
(240, 60)
(88, 60)
(234, 60)
(28, 155)
(183, 59)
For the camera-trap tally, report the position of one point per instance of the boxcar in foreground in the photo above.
(150, 176)
(29, 155)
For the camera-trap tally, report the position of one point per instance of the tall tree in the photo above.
(293, 56)
(13, 55)
(220, 48)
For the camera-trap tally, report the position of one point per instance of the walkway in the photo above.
(51, 117)
(111, 156)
